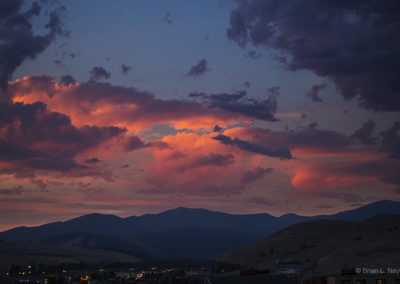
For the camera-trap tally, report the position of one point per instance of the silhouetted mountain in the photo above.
(92, 224)
(325, 246)
(254, 224)
(181, 232)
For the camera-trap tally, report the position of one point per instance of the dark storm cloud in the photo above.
(25, 161)
(97, 73)
(198, 95)
(355, 43)
(67, 80)
(35, 138)
(308, 138)
(282, 153)
(254, 174)
(125, 69)
(18, 40)
(217, 128)
(312, 125)
(253, 55)
(314, 91)
(239, 103)
(133, 143)
(212, 159)
(16, 190)
(93, 160)
(391, 141)
(365, 133)
(199, 69)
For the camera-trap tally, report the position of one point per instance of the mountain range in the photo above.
(177, 233)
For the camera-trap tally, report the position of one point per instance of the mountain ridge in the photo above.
(182, 213)
(221, 230)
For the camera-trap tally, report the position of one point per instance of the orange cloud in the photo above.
(102, 104)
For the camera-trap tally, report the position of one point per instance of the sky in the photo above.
(247, 106)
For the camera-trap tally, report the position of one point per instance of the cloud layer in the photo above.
(354, 43)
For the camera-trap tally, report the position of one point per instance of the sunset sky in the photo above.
(248, 106)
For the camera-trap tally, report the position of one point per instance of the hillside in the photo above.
(325, 246)
(24, 253)
(185, 242)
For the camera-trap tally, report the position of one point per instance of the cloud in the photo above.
(304, 141)
(263, 110)
(253, 55)
(391, 141)
(239, 103)
(351, 42)
(167, 18)
(315, 176)
(365, 133)
(125, 69)
(41, 184)
(67, 80)
(199, 69)
(33, 138)
(326, 158)
(328, 141)
(217, 128)
(212, 159)
(195, 165)
(92, 161)
(314, 91)
(98, 72)
(133, 143)
(347, 197)
(19, 41)
(262, 201)
(282, 153)
(254, 174)
(16, 190)
(102, 104)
